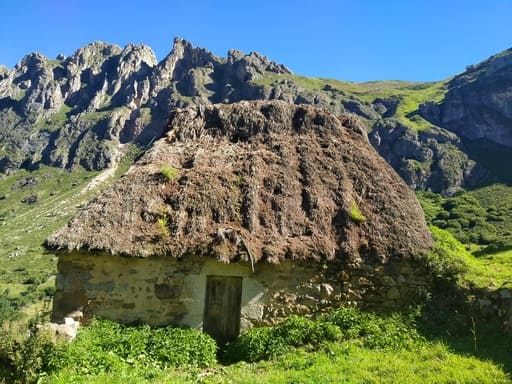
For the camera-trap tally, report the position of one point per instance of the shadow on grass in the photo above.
(448, 318)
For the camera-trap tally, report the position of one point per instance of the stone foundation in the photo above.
(493, 304)
(161, 291)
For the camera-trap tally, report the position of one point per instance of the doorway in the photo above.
(222, 305)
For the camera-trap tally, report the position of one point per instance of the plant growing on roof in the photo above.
(169, 172)
(356, 214)
(162, 225)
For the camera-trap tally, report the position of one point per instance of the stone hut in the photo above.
(243, 214)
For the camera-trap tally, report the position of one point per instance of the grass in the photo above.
(170, 173)
(482, 214)
(366, 348)
(336, 363)
(55, 121)
(350, 360)
(162, 226)
(492, 271)
(26, 267)
(452, 351)
(349, 363)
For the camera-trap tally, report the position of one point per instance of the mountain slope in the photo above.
(79, 111)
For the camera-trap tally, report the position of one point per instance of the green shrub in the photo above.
(256, 344)
(266, 343)
(297, 331)
(446, 259)
(24, 353)
(108, 346)
(373, 331)
(178, 347)
(8, 310)
(169, 172)
(463, 216)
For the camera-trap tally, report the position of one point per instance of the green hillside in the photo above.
(32, 206)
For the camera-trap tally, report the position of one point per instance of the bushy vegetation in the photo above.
(9, 309)
(24, 353)
(345, 345)
(463, 216)
(497, 201)
(343, 324)
(102, 347)
(270, 342)
(395, 331)
(447, 259)
(479, 222)
(105, 346)
(451, 262)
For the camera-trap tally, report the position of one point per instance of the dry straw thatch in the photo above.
(255, 181)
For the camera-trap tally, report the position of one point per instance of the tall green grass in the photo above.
(344, 346)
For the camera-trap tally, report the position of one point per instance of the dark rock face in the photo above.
(478, 104)
(426, 160)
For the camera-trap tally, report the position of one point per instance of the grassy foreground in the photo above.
(344, 346)
(335, 363)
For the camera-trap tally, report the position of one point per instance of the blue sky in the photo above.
(347, 40)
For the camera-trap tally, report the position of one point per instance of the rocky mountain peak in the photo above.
(139, 53)
(30, 61)
(77, 110)
(4, 71)
(478, 104)
(250, 67)
(94, 55)
(80, 110)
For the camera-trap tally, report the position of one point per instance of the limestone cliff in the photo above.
(80, 110)
(478, 104)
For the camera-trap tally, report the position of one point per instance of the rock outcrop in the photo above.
(78, 110)
(478, 104)
(431, 159)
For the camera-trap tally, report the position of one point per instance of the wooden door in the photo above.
(222, 307)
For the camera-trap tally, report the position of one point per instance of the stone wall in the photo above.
(163, 290)
(493, 304)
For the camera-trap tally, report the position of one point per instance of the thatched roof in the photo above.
(255, 180)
